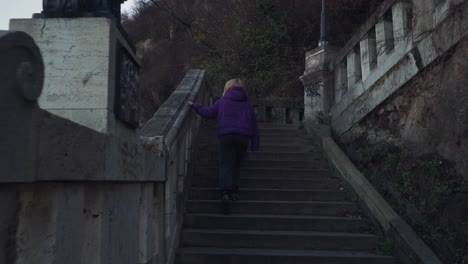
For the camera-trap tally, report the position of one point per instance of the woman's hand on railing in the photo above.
(190, 103)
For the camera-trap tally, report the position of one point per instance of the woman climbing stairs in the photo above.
(291, 208)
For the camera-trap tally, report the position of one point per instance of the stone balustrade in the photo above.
(397, 42)
(80, 184)
(286, 111)
(171, 133)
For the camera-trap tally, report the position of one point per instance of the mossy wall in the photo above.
(414, 148)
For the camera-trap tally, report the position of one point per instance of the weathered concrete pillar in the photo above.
(50, 224)
(171, 203)
(368, 48)
(261, 113)
(36, 236)
(121, 213)
(294, 116)
(146, 238)
(84, 74)
(93, 226)
(401, 12)
(278, 115)
(353, 67)
(385, 39)
(341, 80)
(158, 223)
(318, 86)
(80, 223)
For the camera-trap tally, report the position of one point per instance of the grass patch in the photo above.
(387, 246)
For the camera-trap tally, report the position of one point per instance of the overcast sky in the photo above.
(25, 9)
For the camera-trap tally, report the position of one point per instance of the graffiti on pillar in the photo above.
(313, 88)
(127, 103)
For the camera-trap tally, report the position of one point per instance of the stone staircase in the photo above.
(292, 210)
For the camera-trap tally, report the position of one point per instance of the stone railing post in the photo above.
(353, 67)
(368, 54)
(341, 80)
(278, 115)
(281, 110)
(261, 113)
(318, 86)
(424, 18)
(401, 13)
(384, 38)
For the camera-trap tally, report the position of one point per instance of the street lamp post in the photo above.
(323, 26)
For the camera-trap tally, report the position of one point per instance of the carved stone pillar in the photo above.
(91, 71)
(21, 78)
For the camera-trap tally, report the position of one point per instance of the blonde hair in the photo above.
(233, 83)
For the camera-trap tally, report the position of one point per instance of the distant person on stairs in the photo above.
(236, 125)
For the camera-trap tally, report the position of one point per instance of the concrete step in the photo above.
(292, 210)
(265, 139)
(229, 238)
(262, 127)
(277, 207)
(211, 132)
(278, 128)
(285, 156)
(276, 256)
(207, 123)
(281, 133)
(273, 195)
(275, 125)
(281, 138)
(212, 124)
(254, 163)
(271, 172)
(278, 222)
(273, 148)
(271, 183)
(212, 154)
(268, 136)
(279, 141)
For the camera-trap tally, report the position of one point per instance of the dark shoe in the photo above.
(225, 203)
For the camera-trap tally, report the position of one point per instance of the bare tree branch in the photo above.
(167, 9)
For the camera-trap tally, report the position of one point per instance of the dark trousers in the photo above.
(232, 149)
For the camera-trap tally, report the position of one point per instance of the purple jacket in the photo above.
(234, 114)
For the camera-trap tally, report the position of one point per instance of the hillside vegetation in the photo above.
(261, 41)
